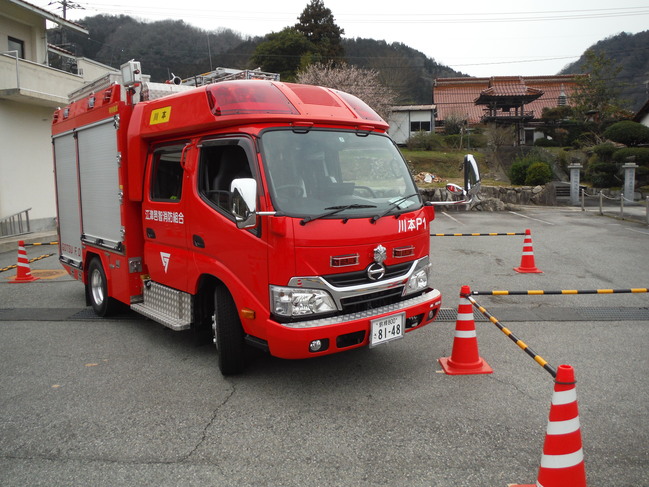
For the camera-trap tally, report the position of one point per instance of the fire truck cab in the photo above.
(269, 214)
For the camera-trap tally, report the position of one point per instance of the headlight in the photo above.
(292, 302)
(419, 279)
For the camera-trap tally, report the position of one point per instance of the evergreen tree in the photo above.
(597, 94)
(282, 52)
(317, 24)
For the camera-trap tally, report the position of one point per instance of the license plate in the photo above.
(387, 329)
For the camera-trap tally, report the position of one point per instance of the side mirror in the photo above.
(243, 202)
(471, 175)
(471, 184)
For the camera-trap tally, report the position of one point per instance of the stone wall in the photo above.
(499, 198)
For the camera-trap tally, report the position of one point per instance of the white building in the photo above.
(30, 90)
(406, 121)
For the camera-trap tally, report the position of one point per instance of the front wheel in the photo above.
(97, 289)
(227, 333)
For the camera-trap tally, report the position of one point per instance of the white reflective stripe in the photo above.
(22, 264)
(564, 397)
(538, 484)
(464, 316)
(528, 253)
(465, 334)
(562, 461)
(563, 427)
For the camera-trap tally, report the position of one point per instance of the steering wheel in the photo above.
(290, 191)
(365, 188)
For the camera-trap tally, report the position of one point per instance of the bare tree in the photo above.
(363, 83)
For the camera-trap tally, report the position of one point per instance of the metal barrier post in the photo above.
(622, 205)
(601, 203)
(647, 210)
(583, 197)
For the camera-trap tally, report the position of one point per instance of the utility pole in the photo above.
(65, 5)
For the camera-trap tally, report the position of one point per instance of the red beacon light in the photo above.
(247, 97)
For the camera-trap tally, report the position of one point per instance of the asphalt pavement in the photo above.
(124, 401)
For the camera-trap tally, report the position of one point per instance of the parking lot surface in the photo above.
(124, 401)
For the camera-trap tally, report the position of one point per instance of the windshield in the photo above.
(336, 174)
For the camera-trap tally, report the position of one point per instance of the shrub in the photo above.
(477, 140)
(641, 155)
(425, 141)
(546, 143)
(605, 152)
(518, 171)
(538, 173)
(628, 133)
(453, 141)
(602, 174)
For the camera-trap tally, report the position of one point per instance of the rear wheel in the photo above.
(227, 333)
(102, 304)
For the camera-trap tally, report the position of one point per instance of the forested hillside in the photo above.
(172, 46)
(630, 52)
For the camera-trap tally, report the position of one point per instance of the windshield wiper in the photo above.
(393, 204)
(334, 210)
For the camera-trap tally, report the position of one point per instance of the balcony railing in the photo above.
(33, 82)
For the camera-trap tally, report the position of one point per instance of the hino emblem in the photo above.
(376, 270)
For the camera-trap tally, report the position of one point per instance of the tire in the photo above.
(97, 289)
(227, 333)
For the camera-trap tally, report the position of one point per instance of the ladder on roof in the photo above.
(228, 74)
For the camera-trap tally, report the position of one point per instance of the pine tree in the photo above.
(318, 25)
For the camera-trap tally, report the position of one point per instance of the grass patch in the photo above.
(446, 164)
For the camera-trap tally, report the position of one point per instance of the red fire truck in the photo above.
(274, 215)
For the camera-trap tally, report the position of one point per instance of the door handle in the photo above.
(198, 241)
(150, 233)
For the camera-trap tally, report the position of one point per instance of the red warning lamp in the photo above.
(247, 97)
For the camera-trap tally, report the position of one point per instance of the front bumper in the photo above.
(344, 332)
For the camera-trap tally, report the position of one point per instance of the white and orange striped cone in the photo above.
(23, 272)
(465, 359)
(527, 259)
(562, 463)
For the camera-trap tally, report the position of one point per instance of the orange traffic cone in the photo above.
(562, 463)
(23, 272)
(465, 359)
(527, 260)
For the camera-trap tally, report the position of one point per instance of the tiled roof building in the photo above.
(500, 98)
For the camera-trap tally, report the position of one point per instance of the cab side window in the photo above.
(167, 176)
(219, 165)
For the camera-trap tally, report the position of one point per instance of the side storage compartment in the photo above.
(101, 194)
(67, 198)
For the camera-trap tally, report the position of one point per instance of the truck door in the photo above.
(238, 257)
(165, 216)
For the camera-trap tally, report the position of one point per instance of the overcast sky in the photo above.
(479, 38)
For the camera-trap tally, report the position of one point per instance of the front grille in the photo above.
(366, 302)
(360, 277)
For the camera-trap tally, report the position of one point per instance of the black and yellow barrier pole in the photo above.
(40, 257)
(521, 344)
(539, 292)
(508, 234)
(38, 244)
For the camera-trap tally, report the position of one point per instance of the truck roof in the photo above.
(193, 110)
